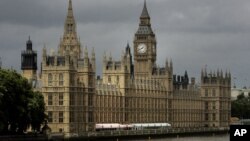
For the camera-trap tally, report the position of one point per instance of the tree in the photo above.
(37, 109)
(241, 107)
(20, 106)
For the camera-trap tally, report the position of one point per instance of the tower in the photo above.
(216, 94)
(144, 46)
(70, 42)
(29, 62)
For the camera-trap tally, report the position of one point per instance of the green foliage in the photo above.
(20, 107)
(241, 107)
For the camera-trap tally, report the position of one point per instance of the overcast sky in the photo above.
(194, 33)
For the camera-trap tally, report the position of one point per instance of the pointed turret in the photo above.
(93, 53)
(29, 44)
(86, 57)
(205, 72)
(128, 49)
(104, 57)
(86, 52)
(110, 57)
(218, 73)
(70, 20)
(93, 59)
(70, 40)
(186, 74)
(144, 13)
(171, 64)
(166, 64)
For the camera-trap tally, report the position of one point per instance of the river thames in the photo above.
(224, 137)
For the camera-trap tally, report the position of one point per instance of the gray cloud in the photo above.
(194, 33)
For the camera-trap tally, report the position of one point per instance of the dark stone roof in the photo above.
(144, 30)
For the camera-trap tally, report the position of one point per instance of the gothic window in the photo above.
(50, 99)
(214, 106)
(72, 82)
(90, 117)
(60, 79)
(90, 100)
(214, 93)
(60, 117)
(60, 98)
(214, 117)
(72, 117)
(206, 105)
(50, 78)
(72, 99)
(109, 79)
(206, 92)
(50, 117)
(206, 117)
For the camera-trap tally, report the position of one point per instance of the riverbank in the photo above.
(122, 134)
(153, 133)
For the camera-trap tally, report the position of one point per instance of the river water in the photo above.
(224, 137)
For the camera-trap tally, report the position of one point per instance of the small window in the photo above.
(214, 105)
(206, 105)
(206, 92)
(109, 79)
(60, 117)
(50, 79)
(72, 117)
(50, 99)
(72, 99)
(60, 98)
(60, 79)
(90, 100)
(206, 117)
(50, 117)
(90, 117)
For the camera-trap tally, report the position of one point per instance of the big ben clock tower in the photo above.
(144, 46)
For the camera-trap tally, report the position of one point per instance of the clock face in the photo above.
(141, 48)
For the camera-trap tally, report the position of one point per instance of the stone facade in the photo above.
(131, 90)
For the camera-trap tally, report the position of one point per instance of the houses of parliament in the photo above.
(131, 90)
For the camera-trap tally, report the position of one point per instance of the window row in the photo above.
(51, 79)
(52, 116)
(51, 100)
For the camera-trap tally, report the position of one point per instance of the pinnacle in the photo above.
(144, 13)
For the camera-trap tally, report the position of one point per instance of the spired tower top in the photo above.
(70, 26)
(70, 41)
(29, 44)
(144, 13)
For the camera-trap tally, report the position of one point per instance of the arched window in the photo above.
(60, 79)
(109, 79)
(50, 78)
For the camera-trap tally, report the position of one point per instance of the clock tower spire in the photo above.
(144, 46)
